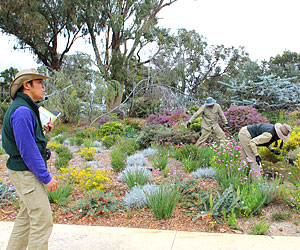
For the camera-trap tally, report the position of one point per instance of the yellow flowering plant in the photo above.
(87, 178)
(53, 145)
(88, 153)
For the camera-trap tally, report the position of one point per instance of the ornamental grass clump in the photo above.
(163, 201)
(136, 197)
(61, 194)
(149, 152)
(159, 162)
(94, 204)
(135, 175)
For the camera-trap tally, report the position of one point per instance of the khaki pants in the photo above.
(34, 223)
(206, 133)
(247, 153)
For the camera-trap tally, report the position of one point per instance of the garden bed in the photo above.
(143, 218)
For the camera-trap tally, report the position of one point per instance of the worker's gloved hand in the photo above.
(258, 159)
(226, 126)
(276, 152)
(188, 124)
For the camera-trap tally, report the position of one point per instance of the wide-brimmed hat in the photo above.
(209, 101)
(22, 76)
(283, 131)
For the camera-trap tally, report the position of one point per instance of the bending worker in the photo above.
(262, 134)
(209, 113)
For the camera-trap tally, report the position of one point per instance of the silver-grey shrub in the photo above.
(204, 173)
(137, 159)
(136, 197)
(149, 152)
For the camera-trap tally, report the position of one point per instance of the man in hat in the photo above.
(209, 113)
(24, 141)
(262, 134)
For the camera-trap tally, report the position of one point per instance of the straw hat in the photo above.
(25, 75)
(283, 131)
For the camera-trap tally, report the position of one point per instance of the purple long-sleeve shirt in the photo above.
(22, 122)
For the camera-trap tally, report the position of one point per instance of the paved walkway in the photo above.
(71, 237)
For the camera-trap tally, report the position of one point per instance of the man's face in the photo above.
(210, 106)
(37, 90)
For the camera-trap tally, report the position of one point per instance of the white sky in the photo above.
(264, 27)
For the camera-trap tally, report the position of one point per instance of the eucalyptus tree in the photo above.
(38, 26)
(7, 75)
(196, 64)
(286, 65)
(122, 30)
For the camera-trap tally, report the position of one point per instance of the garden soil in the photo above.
(142, 218)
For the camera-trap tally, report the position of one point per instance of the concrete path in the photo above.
(71, 237)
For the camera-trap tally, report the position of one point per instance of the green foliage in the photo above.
(7, 193)
(120, 153)
(130, 132)
(61, 138)
(190, 165)
(160, 134)
(111, 128)
(194, 108)
(110, 140)
(196, 125)
(64, 156)
(94, 204)
(281, 216)
(218, 205)
(163, 201)
(135, 175)
(2, 151)
(159, 162)
(3, 109)
(61, 194)
(261, 228)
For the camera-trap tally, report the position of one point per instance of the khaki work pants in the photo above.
(247, 153)
(205, 133)
(34, 223)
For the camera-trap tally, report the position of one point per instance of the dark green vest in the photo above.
(15, 161)
(258, 129)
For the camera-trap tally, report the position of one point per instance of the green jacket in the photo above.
(15, 161)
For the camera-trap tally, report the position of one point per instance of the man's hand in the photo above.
(276, 152)
(52, 185)
(258, 159)
(49, 127)
(188, 124)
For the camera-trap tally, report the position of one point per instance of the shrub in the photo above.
(7, 193)
(167, 118)
(240, 116)
(110, 140)
(159, 134)
(261, 228)
(94, 204)
(149, 152)
(217, 206)
(120, 153)
(88, 153)
(137, 159)
(86, 179)
(196, 125)
(136, 197)
(61, 194)
(60, 138)
(135, 175)
(110, 128)
(53, 145)
(163, 201)
(204, 173)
